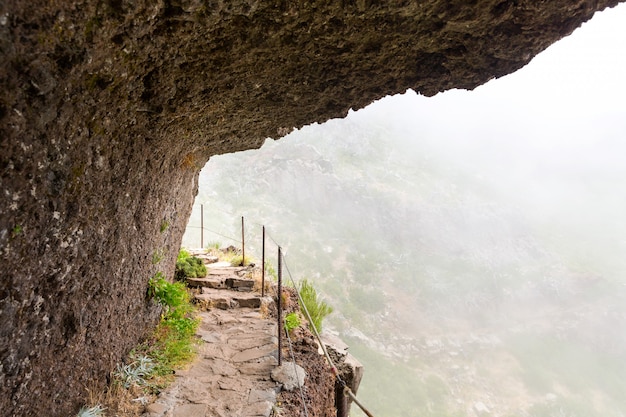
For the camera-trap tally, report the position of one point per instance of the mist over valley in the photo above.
(473, 251)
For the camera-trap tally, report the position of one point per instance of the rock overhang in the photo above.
(109, 109)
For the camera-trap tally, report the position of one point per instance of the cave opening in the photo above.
(436, 225)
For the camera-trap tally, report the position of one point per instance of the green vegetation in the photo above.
(214, 246)
(318, 309)
(170, 295)
(151, 365)
(238, 260)
(17, 230)
(188, 266)
(164, 226)
(270, 270)
(292, 321)
(183, 254)
(173, 342)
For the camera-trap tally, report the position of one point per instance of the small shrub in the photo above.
(174, 341)
(269, 270)
(188, 266)
(292, 321)
(237, 260)
(183, 254)
(214, 246)
(169, 294)
(318, 309)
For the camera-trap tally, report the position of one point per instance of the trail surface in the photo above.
(231, 374)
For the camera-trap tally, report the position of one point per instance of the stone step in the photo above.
(222, 282)
(211, 298)
(240, 284)
(208, 282)
(225, 265)
(222, 271)
(206, 258)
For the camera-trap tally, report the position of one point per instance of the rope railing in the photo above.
(295, 370)
(346, 389)
(281, 261)
(216, 233)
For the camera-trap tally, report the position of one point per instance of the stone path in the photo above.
(231, 374)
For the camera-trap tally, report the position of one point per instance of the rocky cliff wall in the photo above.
(109, 108)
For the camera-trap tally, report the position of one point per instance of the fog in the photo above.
(472, 244)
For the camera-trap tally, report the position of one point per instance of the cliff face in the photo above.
(109, 108)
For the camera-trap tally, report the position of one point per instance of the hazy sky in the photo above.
(580, 78)
(559, 121)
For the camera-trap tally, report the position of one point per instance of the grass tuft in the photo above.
(238, 260)
(318, 309)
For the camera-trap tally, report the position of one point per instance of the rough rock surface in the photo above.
(109, 108)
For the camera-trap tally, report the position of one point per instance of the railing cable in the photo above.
(315, 332)
(217, 233)
(295, 370)
(346, 388)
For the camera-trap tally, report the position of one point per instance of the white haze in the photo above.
(473, 243)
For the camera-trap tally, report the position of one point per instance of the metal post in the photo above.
(263, 265)
(202, 225)
(341, 400)
(243, 244)
(280, 306)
